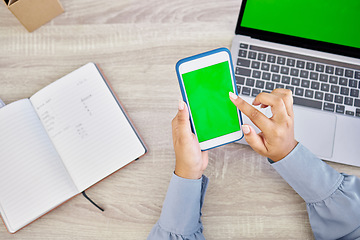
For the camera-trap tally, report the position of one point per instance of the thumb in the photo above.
(183, 113)
(255, 141)
(181, 122)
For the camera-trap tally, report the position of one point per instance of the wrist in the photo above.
(188, 174)
(286, 153)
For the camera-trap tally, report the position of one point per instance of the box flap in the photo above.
(32, 14)
(11, 2)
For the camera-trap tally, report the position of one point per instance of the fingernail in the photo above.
(233, 95)
(181, 105)
(245, 129)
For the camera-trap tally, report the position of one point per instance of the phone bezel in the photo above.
(200, 61)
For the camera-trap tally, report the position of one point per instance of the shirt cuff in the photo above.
(182, 206)
(309, 176)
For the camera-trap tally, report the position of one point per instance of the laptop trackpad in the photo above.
(346, 148)
(315, 130)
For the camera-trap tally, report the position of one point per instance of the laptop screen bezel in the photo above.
(292, 40)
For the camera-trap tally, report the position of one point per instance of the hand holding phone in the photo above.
(190, 160)
(205, 81)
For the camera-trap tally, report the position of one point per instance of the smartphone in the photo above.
(205, 81)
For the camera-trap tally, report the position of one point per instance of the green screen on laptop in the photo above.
(332, 21)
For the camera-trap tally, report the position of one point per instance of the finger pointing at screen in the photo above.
(276, 139)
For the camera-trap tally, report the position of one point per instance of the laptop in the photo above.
(313, 49)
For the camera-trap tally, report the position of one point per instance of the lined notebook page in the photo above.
(87, 126)
(33, 179)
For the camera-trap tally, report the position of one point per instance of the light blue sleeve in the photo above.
(332, 199)
(181, 211)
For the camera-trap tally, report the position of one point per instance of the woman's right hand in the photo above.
(276, 139)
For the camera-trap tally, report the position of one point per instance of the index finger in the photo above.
(257, 117)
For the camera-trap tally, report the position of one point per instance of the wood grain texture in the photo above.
(137, 43)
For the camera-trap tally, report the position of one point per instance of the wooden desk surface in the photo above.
(137, 44)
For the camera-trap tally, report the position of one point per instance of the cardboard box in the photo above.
(34, 13)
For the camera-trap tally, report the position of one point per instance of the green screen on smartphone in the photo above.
(330, 21)
(207, 90)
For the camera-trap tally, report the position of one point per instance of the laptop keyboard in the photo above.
(316, 83)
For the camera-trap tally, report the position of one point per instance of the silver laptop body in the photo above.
(325, 88)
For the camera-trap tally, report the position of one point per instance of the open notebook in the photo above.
(59, 142)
